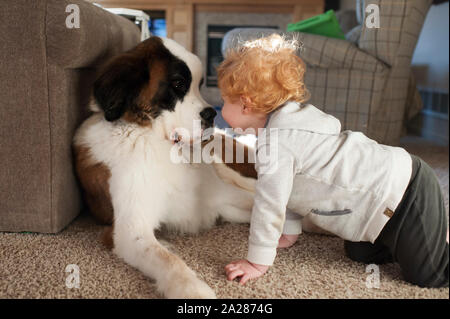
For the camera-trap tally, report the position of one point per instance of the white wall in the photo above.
(430, 59)
(430, 66)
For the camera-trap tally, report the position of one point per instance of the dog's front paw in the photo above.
(189, 288)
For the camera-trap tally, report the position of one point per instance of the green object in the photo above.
(324, 24)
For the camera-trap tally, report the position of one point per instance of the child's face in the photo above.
(232, 112)
(239, 116)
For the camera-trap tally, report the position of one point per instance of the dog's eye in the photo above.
(178, 84)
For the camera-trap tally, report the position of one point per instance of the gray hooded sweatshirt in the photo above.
(344, 182)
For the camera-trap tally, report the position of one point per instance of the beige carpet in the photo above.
(33, 265)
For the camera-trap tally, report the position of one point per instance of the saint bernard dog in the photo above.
(122, 159)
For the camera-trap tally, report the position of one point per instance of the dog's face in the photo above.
(156, 82)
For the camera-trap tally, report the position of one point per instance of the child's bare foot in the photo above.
(287, 241)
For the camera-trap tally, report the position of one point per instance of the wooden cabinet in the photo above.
(180, 24)
(180, 14)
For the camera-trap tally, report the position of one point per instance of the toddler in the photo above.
(385, 203)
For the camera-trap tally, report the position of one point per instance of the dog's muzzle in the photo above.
(208, 114)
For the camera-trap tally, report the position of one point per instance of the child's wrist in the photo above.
(261, 268)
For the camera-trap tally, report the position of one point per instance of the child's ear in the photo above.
(245, 102)
(246, 110)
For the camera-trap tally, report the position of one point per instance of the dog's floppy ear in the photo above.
(119, 83)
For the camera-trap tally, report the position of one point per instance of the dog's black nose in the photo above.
(208, 114)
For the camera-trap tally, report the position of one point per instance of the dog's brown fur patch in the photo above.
(246, 169)
(144, 112)
(94, 178)
(107, 237)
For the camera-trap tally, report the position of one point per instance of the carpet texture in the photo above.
(33, 265)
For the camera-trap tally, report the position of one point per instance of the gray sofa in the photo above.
(46, 72)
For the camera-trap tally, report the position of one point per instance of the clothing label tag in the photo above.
(389, 213)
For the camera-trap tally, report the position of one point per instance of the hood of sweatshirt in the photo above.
(306, 117)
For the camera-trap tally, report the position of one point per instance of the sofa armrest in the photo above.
(101, 35)
(315, 50)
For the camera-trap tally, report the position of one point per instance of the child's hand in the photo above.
(287, 241)
(245, 269)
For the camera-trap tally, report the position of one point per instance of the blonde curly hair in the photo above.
(266, 71)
